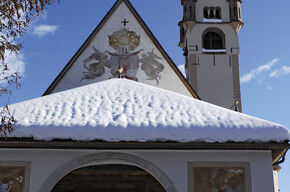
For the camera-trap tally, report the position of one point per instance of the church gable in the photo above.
(122, 46)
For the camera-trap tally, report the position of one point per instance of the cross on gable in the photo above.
(124, 22)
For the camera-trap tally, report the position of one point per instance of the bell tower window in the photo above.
(218, 13)
(205, 13)
(212, 12)
(213, 39)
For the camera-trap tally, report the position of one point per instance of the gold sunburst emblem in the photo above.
(124, 38)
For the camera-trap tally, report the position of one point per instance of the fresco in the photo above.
(124, 61)
(12, 178)
(219, 179)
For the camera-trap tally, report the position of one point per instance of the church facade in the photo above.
(121, 117)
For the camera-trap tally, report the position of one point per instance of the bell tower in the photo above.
(209, 38)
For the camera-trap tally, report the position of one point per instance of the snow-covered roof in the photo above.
(123, 110)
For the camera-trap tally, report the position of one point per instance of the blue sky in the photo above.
(57, 34)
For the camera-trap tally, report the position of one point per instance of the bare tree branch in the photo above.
(15, 17)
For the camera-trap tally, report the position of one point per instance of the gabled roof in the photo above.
(123, 110)
(96, 31)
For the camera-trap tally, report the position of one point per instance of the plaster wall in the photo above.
(168, 78)
(215, 80)
(171, 163)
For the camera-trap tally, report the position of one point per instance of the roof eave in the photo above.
(277, 149)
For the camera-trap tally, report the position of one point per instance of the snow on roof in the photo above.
(124, 110)
(205, 20)
(213, 50)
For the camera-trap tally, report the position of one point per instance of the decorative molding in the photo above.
(182, 45)
(237, 25)
(188, 25)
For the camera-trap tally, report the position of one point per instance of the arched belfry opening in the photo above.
(213, 38)
(211, 12)
(109, 178)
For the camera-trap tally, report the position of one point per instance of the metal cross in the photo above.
(124, 22)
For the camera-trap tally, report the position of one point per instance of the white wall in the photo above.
(172, 163)
(215, 80)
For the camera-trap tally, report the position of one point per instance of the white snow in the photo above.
(212, 20)
(213, 50)
(124, 110)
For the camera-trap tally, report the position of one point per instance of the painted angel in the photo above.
(151, 66)
(95, 69)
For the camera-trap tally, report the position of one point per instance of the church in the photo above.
(120, 116)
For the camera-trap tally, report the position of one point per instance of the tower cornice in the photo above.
(236, 25)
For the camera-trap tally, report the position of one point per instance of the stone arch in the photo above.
(106, 158)
(209, 35)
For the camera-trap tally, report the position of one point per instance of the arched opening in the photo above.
(205, 12)
(105, 159)
(212, 12)
(218, 13)
(108, 177)
(213, 38)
